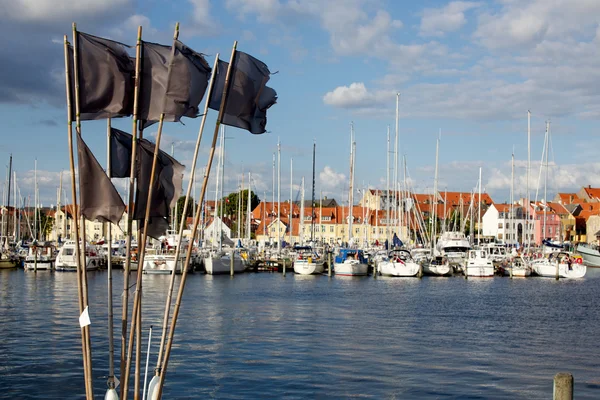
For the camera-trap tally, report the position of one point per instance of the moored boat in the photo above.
(220, 263)
(561, 263)
(40, 257)
(350, 262)
(438, 266)
(66, 261)
(590, 254)
(399, 263)
(479, 264)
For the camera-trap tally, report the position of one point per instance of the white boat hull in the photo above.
(439, 270)
(480, 270)
(92, 264)
(162, 264)
(350, 268)
(591, 256)
(303, 267)
(401, 269)
(216, 265)
(548, 270)
(44, 265)
(518, 271)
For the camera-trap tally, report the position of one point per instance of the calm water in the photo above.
(266, 336)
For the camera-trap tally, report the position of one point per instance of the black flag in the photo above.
(248, 97)
(99, 198)
(106, 78)
(167, 181)
(185, 88)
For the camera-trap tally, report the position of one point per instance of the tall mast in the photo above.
(15, 229)
(35, 199)
(239, 207)
(278, 197)
(8, 196)
(291, 212)
(301, 227)
(403, 204)
(248, 227)
(222, 186)
(387, 189)
(273, 191)
(351, 189)
(512, 189)
(312, 217)
(528, 223)
(479, 212)
(320, 214)
(546, 177)
(396, 160)
(435, 189)
(216, 212)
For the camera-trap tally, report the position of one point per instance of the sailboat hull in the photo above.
(398, 269)
(216, 265)
(303, 267)
(349, 268)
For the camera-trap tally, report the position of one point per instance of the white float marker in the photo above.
(84, 318)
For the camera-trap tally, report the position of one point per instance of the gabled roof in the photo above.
(593, 193)
(567, 198)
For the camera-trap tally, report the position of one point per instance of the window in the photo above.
(499, 236)
(500, 225)
(357, 230)
(506, 225)
(380, 231)
(331, 229)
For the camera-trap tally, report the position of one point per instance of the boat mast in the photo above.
(405, 197)
(222, 186)
(528, 223)
(278, 198)
(396, 197)
(8, 196)
(301, 227)
(435, 189)
(216, 210)
(351, 190)
(320, 211)
(512, 195)
(273, 192)
(291, 213)
(479, 212)
(239, 207)
(312, 217)
(15, 208)
(248, 227)
(387, 189)
(35, 199)
(546, 177)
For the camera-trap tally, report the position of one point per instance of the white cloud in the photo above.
(204, 24)
(526, 24)
(439, 21)
(356, 96)
(332, 182)
(51, 10)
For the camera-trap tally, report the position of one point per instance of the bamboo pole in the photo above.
(126, 272)
(182, 224)
(211, 155)
(78, 254)
(142, 244)
(138, 350)
(72, 166)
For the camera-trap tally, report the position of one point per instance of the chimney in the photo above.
(589, 186)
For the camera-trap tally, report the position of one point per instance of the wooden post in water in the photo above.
(563, 386)
(35, 259)
(329, 263)
(511, 268)
(284, 267)
(420, 273)
(231, 263)
(557, 267)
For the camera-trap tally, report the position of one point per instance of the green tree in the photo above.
(179, 208)
(230, 206)
(46, 224)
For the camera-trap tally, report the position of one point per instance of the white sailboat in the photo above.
(163, 261)
(350, 262)
(219, 261)
(399, 263)
(518, 267)
(308, 262)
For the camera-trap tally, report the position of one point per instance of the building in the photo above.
(547, 222)
(507, 224)
(589, 194)
(214, 228)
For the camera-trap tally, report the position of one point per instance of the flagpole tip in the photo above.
(74, 25)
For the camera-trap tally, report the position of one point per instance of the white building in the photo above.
(497, 222)
(214, 227)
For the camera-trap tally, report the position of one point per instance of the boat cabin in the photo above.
(350, 254)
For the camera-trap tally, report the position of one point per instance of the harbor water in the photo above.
(263, 335)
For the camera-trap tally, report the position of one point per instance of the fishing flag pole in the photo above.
(142, 245)
(130, 205)
(81, 261)
(183, 219)
(211, 155)
(75, 225)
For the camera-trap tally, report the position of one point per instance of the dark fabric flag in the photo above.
(167, 182)
(99, 200)
(185, 89)
(248, 98)
(106, 78)
(120, 153)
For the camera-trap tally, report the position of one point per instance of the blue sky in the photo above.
(471, 69)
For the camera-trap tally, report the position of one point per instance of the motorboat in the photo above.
(561, 263)
(438, 266)
(350, 262)
(479, 264)
(40, 257)
(66, 260)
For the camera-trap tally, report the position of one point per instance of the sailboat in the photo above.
(350, 261)
(219, 261)
(6, 261)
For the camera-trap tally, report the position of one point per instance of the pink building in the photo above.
(548, 230)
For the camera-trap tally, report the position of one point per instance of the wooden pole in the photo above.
(563, 386)
(111, 343)
(231, 259)
(329, 264)
(211, 155)
(130, 206)
(142, 244)
(78, 254)
(138, 351)
(557, 268)
(72, 166)
(283, 271)
(183, 217)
